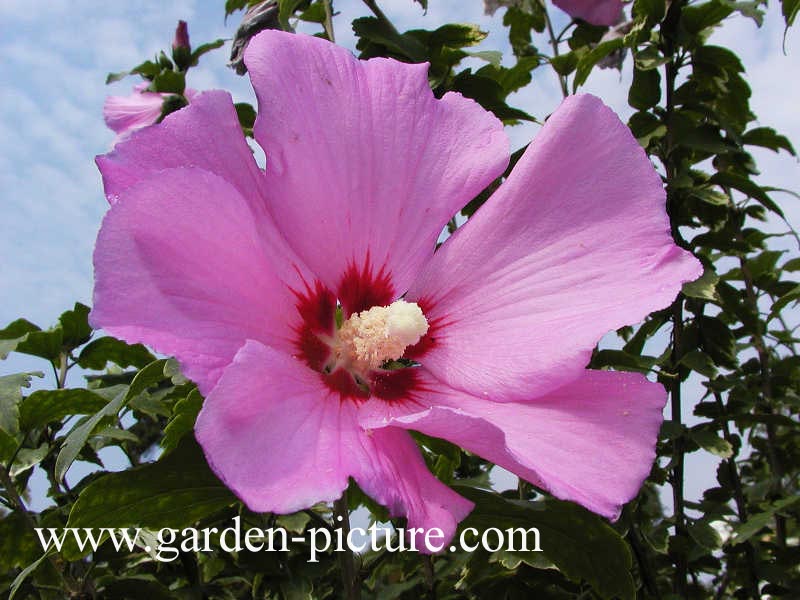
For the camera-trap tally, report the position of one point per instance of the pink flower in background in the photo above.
(596, 12)
(238, 273)
(125, 114)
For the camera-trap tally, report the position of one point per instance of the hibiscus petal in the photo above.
(596, 12)
(395, 475)
(591, 441)
(363, 163)
(184, 265)
(205, 135)
(282, 441)
(574, 244)
(275, 435)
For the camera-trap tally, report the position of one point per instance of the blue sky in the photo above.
(56, 54)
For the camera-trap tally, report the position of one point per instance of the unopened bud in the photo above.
(181, 36)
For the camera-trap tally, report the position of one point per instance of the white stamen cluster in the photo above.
(368, 339)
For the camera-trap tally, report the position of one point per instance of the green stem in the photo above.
(669, 29)
(430, 579)
(741, 504)
(554, 44)
(351, 581)
(373, 6)
(766, 401)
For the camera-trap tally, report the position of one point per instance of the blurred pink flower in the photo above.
(238, 273)
(125, 114)
(596, 12)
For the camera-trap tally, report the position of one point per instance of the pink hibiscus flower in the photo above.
(596, 12)
(125, 114)
(238, 273)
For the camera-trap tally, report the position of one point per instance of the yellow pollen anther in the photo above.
(368, 339)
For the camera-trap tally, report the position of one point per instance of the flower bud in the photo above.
(181, 48)
(181, 36)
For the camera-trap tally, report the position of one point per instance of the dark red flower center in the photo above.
(327, 322)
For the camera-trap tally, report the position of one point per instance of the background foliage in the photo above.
(731, 335)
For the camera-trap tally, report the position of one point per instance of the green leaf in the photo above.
(493, 57)
(14, 333)
(44, 344)
(564, 64)
(792, 295)
(747, 187)
(704, 288)
(650, 10)
(149, 376)
(792, 265)
(442, 457)
(75, 326)
(623, 361)
(76, 439)
(710, 441)
(8, 445)
(705, 535)
(379, 32)
(704, 138)
(579, 543)
(286, 9)
(671, 430)
(47, 406)
(489, 94)
(648, 58)
(168, 82)
(27, 458)
(587, 62)
(700, 362)
(139, 587)
(748, 8)
(175, 491)
(183, 418)
(18, 547)
(10, 398)
(247, 116)
(697, 17)
(314, 13)
(231, 6)
(79, 435)
(118, 76)
(717, 341)
(457, 35)
(646, 127)
(107, 349)
(756, 522)
(645, 90)
(23, 575)
(295, 522)
(520, 23)
(790, 9)
(204, 48)
(148, 69)
(767, 137)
